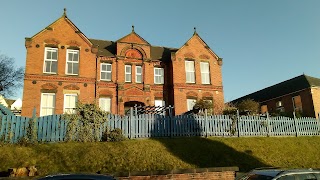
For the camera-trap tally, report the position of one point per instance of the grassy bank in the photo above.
(161, 154)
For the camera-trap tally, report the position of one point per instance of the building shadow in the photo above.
(183, 138)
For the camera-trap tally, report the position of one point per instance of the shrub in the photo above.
(84, 124)
(248, 106)
(113, 135)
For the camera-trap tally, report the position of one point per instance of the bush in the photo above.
(248, 106)
(84, 124)
(113, 135)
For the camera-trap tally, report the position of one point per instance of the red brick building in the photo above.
(300, 94)
(63, 66)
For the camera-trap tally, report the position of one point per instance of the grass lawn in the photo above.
(164, 154)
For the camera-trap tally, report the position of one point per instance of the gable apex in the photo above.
(133, 37)
(73, 26)
(205, 45)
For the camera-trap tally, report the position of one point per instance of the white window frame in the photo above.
(66, 107)
(47, 107)
(72, 51)
(103, 106)
(279, 106)
(128, 75)
(138, 74)
(190, 73)
(106, 71)
(205, 73)
(190, 104)
(46, 49)
(158, 76)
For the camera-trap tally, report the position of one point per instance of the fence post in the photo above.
(238, 122)
(206, 121)
(130, 123)
(318, 122)
(295, 123)
(268, 125)
(171, 120)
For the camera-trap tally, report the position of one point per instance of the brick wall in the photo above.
(61, 35)
(131, 49)
(308, 99)
(220, 173)
(316, 100)
(195, 49)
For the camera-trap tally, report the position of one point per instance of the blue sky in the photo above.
(261, 42)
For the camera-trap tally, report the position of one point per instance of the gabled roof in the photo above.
(109, 49)
(283, 88)
(64, 17)
(10, 102)
(131, 35)
(162, 53)
(196, 35)
(105, 48)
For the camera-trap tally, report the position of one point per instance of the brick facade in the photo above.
(216, 173)
(131, 50)
(300, 94)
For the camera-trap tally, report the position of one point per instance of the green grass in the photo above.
(164, 154)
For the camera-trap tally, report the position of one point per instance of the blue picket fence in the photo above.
(53, 128)
(4, 110)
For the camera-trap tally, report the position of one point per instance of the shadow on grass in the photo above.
(203, 152)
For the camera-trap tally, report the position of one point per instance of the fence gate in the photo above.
(160, 110)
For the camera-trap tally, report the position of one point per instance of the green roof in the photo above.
(286, 87)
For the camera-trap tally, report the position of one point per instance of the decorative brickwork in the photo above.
(101, 70)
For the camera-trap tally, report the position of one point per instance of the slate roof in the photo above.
(105, 48)
(109, 49)
(286, 87)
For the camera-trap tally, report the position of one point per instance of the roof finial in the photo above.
(132, 28)
(64, 11)
(195, 30)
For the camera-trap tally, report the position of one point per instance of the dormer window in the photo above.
(72, 67)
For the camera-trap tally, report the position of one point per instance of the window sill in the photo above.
(103, 80)
(45, 73)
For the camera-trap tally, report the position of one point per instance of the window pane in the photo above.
(105, 104)
(204, 67)
(103, 75)
(138, 79)
(54, 66)
(109, 67)
(47, 104)
(108, 76)
(69, 68)
(48, 55)
(128, 77)
(190, 104)
(138, 69)
(75, 57)
(103, 67)
(69, 56)
(47, 66)
(128, 69)
(75, 68)
(55, 55)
